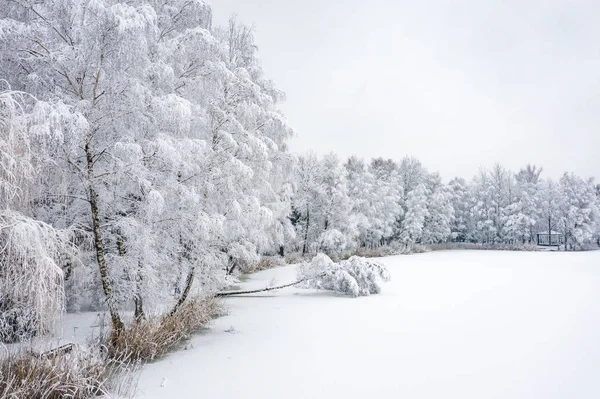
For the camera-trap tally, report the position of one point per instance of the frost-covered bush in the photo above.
(31, 280)
(242, 256)
(319, 265)
(368, 274)
(333, 241)
(356, 276)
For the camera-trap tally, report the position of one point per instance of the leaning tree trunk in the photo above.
(189, 281)
(117, 323)
(233, 266)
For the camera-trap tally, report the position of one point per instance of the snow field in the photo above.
(454, 324)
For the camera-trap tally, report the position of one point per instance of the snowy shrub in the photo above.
(319, 265)
(333, 241)
(368, 274)
(31, 282)
(355, 277)
(243, 256)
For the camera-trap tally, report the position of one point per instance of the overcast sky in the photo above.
(458, 84)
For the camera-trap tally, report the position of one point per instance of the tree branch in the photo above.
(229, 293)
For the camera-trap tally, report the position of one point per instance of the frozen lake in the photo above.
(453, 324)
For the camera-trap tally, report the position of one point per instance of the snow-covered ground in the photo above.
(456, 324)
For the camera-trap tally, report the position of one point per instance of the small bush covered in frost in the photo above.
(356, 276)
(243, 256)
(333, 241)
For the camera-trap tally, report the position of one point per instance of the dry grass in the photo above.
(111, 367)
(77, 374)
(268, 262)
(146, 340)
(377, 252)
(397, 249)
(293, 258)
(476, 246)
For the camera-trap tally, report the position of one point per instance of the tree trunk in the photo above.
(139, 308)
(61, 350)
(186, 291)
(233, 265)
(137, 299)
(177, 288)
(304, 247)
(117, 323)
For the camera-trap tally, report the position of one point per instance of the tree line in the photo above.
(339, 206)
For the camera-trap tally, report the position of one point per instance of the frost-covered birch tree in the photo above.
(172, 157)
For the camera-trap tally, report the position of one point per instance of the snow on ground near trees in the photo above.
(457, 324)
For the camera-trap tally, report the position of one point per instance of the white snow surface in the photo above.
(452, 324)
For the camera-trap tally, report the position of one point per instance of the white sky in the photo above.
(459, 84)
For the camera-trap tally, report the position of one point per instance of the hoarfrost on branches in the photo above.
(333, 241)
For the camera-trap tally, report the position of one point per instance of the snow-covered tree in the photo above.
(578, 210)
(492, 192)
(32, 253)
(360, 182)
(462, 228)
(440, 213)
(523, 213)
(309, 199)
(322, 206)
(375, 196)
(386, 198)
(411, 173)
(172, 149)
(416, 213)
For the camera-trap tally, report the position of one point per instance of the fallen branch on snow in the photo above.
(229, 293)
(355, 277)
(61, 350)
